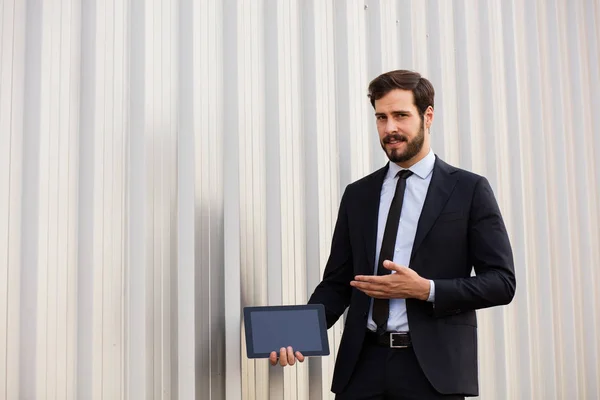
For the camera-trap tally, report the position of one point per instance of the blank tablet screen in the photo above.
(271, 328)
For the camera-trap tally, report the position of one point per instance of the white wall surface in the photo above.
(165, 163)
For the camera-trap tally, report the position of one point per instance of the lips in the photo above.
(394, 139)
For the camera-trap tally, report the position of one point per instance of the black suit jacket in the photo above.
(460, 228)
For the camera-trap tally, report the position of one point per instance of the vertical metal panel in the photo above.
(12, 65)
(232, 265)
(522, 372)
(321, 164)
(163, 164)
(186, 193)
(589, 212)
(139, 228)
(291, 175)
(208, 131)
(252, 177)
(531, 120)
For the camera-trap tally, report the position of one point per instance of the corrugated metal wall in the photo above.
(163, 164)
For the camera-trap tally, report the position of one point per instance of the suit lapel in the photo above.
(441, 186)
(372, 192)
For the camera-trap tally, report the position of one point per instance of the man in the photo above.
(412, 333)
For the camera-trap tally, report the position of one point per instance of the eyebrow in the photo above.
(393, 112)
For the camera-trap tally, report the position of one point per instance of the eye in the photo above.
(380, 117)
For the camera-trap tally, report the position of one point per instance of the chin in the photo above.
(396, 156)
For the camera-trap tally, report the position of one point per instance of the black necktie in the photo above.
(381, 307)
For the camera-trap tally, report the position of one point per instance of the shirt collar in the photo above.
(422, 169)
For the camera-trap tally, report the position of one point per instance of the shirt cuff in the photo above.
(431, 297)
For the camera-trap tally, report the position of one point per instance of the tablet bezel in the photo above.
(322, 328)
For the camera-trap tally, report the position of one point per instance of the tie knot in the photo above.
(404, 174)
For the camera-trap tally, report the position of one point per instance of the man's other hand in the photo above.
(286, 357)
(403, 284)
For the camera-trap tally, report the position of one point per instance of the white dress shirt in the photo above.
(414, 198)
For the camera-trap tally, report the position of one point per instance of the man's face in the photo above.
(401, 129)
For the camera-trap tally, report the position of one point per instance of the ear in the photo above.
(428, 117)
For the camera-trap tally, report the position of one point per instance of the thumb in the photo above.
(392, 266)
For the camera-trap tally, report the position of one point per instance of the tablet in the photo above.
(271, 328)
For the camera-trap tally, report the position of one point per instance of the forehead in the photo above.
(396, 100)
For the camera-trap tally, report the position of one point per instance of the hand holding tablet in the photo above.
(286, 357)
(290, 332)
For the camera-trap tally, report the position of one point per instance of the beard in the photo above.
(413, 146)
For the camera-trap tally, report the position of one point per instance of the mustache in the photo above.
(399, 138)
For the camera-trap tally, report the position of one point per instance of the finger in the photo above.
(290, 356)
(273, 358)
(368, 286)
(300, 356)
(283, 357)
(378, 295)
(392, 266)
(371, 278)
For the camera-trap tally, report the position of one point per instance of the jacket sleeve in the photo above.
(491, 256)
(334, 291)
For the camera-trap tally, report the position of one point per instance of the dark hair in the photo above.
(403, 79)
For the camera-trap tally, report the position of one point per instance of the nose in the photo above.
(390, 127)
